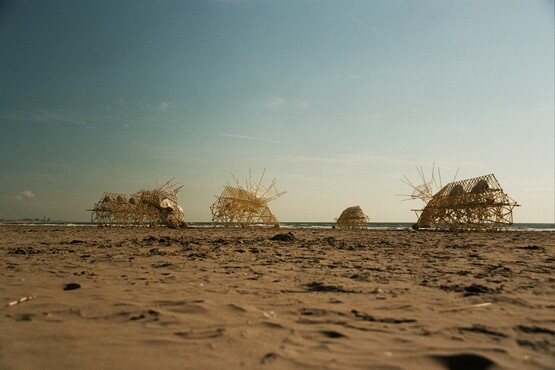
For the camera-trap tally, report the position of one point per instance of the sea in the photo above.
(298, 225)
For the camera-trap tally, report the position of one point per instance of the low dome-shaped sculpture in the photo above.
(352, 218)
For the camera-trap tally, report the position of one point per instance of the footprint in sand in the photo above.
(201, 333)
(465, 361)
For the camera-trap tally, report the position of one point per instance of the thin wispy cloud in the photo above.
(350, 160)
(43, 116)
(244, 137)
(24, 195)
(545, 108)
(122, 105)
(354, 76)
(145, 107)
(357, 20)
(277, 102)
(364, 118)
(385, 38)
(302, 104)
(280, 103)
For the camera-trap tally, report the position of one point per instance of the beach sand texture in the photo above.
(207, 298)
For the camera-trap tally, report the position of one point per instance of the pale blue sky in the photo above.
(336, 99)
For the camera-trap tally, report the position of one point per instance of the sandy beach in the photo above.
(212, 298)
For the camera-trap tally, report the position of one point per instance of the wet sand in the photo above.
(204, 298)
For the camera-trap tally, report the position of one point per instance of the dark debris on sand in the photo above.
(287, 237)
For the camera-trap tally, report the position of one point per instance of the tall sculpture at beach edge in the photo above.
(352, 218)
(144, 208)
(472, 204)
(245, 205)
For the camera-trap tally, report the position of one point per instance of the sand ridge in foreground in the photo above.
(234, 298)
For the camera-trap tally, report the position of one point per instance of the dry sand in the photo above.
(203, 298)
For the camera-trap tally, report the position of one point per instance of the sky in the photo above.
(336, 100)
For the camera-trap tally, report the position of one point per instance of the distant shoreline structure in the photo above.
(286, 225)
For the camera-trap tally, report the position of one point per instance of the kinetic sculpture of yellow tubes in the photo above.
(245, 205)
(144, 208)
(473, 204)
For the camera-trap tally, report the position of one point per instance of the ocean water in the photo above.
(302, 225)
(329, 225)
(408, 225)
(536, 227)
